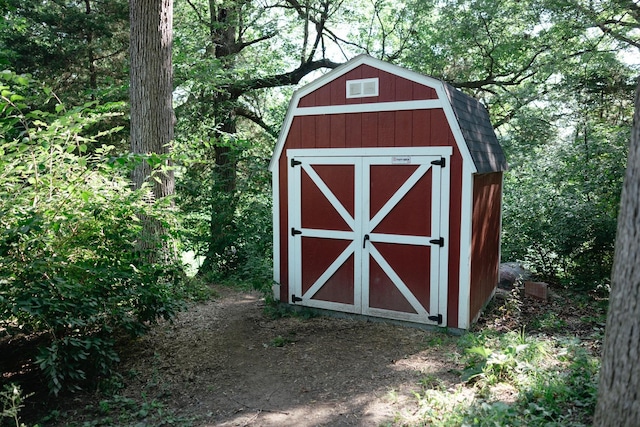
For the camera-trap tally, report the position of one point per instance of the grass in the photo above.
(516, 378)
(118, 410)
(538, 382)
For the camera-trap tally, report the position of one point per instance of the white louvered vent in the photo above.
(362, 88)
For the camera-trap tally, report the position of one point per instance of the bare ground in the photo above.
(225, 363)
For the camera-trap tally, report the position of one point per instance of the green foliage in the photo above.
(561, 101)
(70, 265)
(78, 48)
(11, 399)
(232, 228)
(561, 203)
(553, 383)
(120, 410)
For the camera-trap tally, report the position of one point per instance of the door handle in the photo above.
(364, 242)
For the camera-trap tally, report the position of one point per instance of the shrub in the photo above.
(69, 224)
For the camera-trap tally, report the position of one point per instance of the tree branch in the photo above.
(248, 114)
(236, 89)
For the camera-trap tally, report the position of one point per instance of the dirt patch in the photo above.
(225, 363)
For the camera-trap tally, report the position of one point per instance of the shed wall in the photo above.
(485, 241)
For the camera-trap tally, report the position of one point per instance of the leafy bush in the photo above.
(560, 209)
(11, 399)
(69, 223)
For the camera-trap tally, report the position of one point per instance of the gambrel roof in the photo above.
(472, 122)
(475, 125)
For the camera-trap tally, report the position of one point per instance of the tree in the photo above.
(561, 101)
(618, 392)
(233, 53)
(78, 48)
(152, 117)
(224, 46)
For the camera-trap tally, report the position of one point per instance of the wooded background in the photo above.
(557, 77)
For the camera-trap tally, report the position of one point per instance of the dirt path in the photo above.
(224, 363)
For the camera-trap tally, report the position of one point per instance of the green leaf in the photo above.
(482, 351)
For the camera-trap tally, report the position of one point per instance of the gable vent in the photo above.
(362, 88)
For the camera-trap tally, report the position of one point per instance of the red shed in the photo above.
(387, 188)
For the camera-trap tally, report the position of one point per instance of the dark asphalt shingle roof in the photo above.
(474, 122)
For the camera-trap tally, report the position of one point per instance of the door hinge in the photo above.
(294, 231)
(442, 162)
(295, 299)
(439, 242)
(295, 163)
(437, 318)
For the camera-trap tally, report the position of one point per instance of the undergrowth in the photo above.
(514, 379)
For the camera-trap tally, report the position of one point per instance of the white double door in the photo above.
(368, 231)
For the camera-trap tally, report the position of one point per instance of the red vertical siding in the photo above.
(353, 130)
(403, 129)
(423, 92)
(323, 131)
(339, 91)
(386, 128)
(323, 95)
(338, 131)
(293, 137)
(369, 72)
(387, 87)
(421, 128)
(369, 129)
(307, 132)
(485, 241)
(440, 130)
(404, 89)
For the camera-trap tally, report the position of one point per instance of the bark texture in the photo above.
(152, 117)
(619, 388)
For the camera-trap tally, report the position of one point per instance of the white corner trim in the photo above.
(275, 211)
(284, 132)
(455, 129)
(466, 218)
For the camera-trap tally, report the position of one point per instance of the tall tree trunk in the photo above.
(619, 389)
(223, 195)
(152, 117)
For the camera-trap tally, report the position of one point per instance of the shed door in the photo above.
(367, 232)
